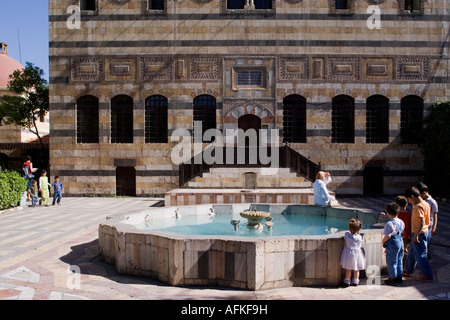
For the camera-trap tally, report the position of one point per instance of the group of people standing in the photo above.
(33, 189)
(406, 234)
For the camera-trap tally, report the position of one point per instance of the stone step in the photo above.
(236, 178)
(240, 184)
(180, 197)
(249, 169)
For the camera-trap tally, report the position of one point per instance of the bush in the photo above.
(436, 149)
(12, 187)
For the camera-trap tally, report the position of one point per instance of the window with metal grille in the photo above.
(235, 4)
(343, 4)
(205, 111)
(155, 4)
(377, 119)
(343, 119)
(294, 119)
(156, 119)
(122, 119)
(240, 4)
(250, 78)
(87, 120)
(87, 5)
(263, 4)
(412, 5)
(411, 119)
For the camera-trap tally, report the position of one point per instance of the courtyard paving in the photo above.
(51, 253)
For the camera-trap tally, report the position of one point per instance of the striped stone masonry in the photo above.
(193, 48)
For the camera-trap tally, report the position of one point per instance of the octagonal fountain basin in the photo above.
(217, 245)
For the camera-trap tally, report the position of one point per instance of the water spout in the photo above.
(235, 223)
(177, 215)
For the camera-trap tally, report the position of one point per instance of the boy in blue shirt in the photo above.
(57, 190)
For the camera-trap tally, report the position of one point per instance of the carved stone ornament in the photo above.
(119, 1)
(294, 1)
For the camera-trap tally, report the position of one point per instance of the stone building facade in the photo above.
(344, 84)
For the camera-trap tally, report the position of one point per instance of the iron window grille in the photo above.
(156, 117)
(294, 119)
(87, 119)
(411, 119)
(204, 110)
(122, 119)
(343, 119)
(377, 119)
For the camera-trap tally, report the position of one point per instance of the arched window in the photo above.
(122, 119)
(377, 119)
(411, 119)
(343, 119)
(156, 119)
(205, 111)
(87, 120)
(294, 119)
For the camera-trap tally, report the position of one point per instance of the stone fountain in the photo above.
(254, 218)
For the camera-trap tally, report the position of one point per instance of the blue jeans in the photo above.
(30, 181)
(394, 256)
(57, 195)
(34, 200)
(417, 254)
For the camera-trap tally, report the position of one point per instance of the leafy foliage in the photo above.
(12, 187)
(29, 100)
(436, 149)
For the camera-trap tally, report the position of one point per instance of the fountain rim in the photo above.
(118, 223)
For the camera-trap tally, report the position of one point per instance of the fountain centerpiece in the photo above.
(254, 218)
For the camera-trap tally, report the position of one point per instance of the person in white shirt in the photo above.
(321, 195)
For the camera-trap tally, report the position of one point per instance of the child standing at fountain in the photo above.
(393, 243)
(352, 257)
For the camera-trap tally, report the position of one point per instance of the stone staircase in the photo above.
(243, 185)
(289, 183)
(249, 178)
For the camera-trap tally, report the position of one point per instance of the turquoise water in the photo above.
(220, 224)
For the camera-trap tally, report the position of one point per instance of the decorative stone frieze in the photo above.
(412, 68)
(293, 68)
(343, 68)
(156, 68)
(205, 68)
(87, 69)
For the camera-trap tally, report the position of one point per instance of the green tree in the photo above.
(436, 149)
(29, 100)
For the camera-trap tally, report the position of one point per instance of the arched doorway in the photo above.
(250, 121)
(250, 125)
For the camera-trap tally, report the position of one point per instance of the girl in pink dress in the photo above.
(352, 257)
